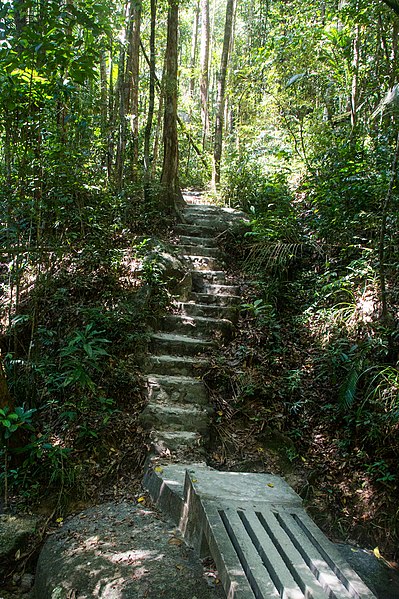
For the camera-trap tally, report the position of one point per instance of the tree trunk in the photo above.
(383, 232)
(151, 101)
(194, 44)
(221, 91)
(204, 82)
(355, 86)
(132, 81)
(171, 193)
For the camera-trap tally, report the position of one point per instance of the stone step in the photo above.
(208, 310)
(203, 262)
(199, 250)
(206, 210)
(208, 221)
(198, 241)
(214, 298)
(196, 325)
(175, 440)
(216, 289)
(203, 277)
(182, 345)
(196, 230)
(175, 365)
(175, 417)
(176, 389)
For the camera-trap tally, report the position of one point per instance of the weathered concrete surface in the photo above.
(263, 543)
(175, 365)
(117, 551)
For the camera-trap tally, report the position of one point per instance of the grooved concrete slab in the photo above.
(263, 543)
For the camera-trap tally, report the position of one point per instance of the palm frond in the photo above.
(271, 255)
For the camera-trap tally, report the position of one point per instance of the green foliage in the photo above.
(81, 358)
(12, 421)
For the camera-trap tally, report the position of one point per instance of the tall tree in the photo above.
(151, 99)
(171, 192)
(132, 80)
(204, 82)
(194, 44)
(221, 91)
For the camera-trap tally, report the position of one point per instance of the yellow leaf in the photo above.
(158, 469)
(377, 553)
(220, 413)
(270, 485)
(175, 541)
(60, 520)
(260, 449)
(194, 480)
(141, 499)
(217, 581)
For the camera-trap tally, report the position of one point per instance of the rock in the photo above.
(15, 531)
(382, 580)
(174, 271)
(119, 551)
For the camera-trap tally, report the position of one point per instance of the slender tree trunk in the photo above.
(151, 101)
(132, 80)
(194, 44)
(121, 127)
(383, 231)
(221, 92)
(355, 78)
(204, 82)
(171, 193)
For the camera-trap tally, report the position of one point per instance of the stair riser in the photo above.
(208, 242)
(203, 329)
(185, 394)
(200, 263)
(179, 348)
(176, 368)
(200, 250)
(218, 289)
(174, 442)
(174, 421)
(204, 278)
(210, 311)
(214, 299)
(207, 220)
(196, 230)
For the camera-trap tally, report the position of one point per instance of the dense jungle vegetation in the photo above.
(288, 110)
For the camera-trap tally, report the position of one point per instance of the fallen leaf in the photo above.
(270, 485)
(141, 500)
(18, 554)
(377, 553)
(175, 541)
(158, 469)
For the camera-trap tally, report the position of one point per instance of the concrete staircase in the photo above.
(178, 412)
(253, 525)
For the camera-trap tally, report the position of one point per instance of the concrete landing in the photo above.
(254, 526)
